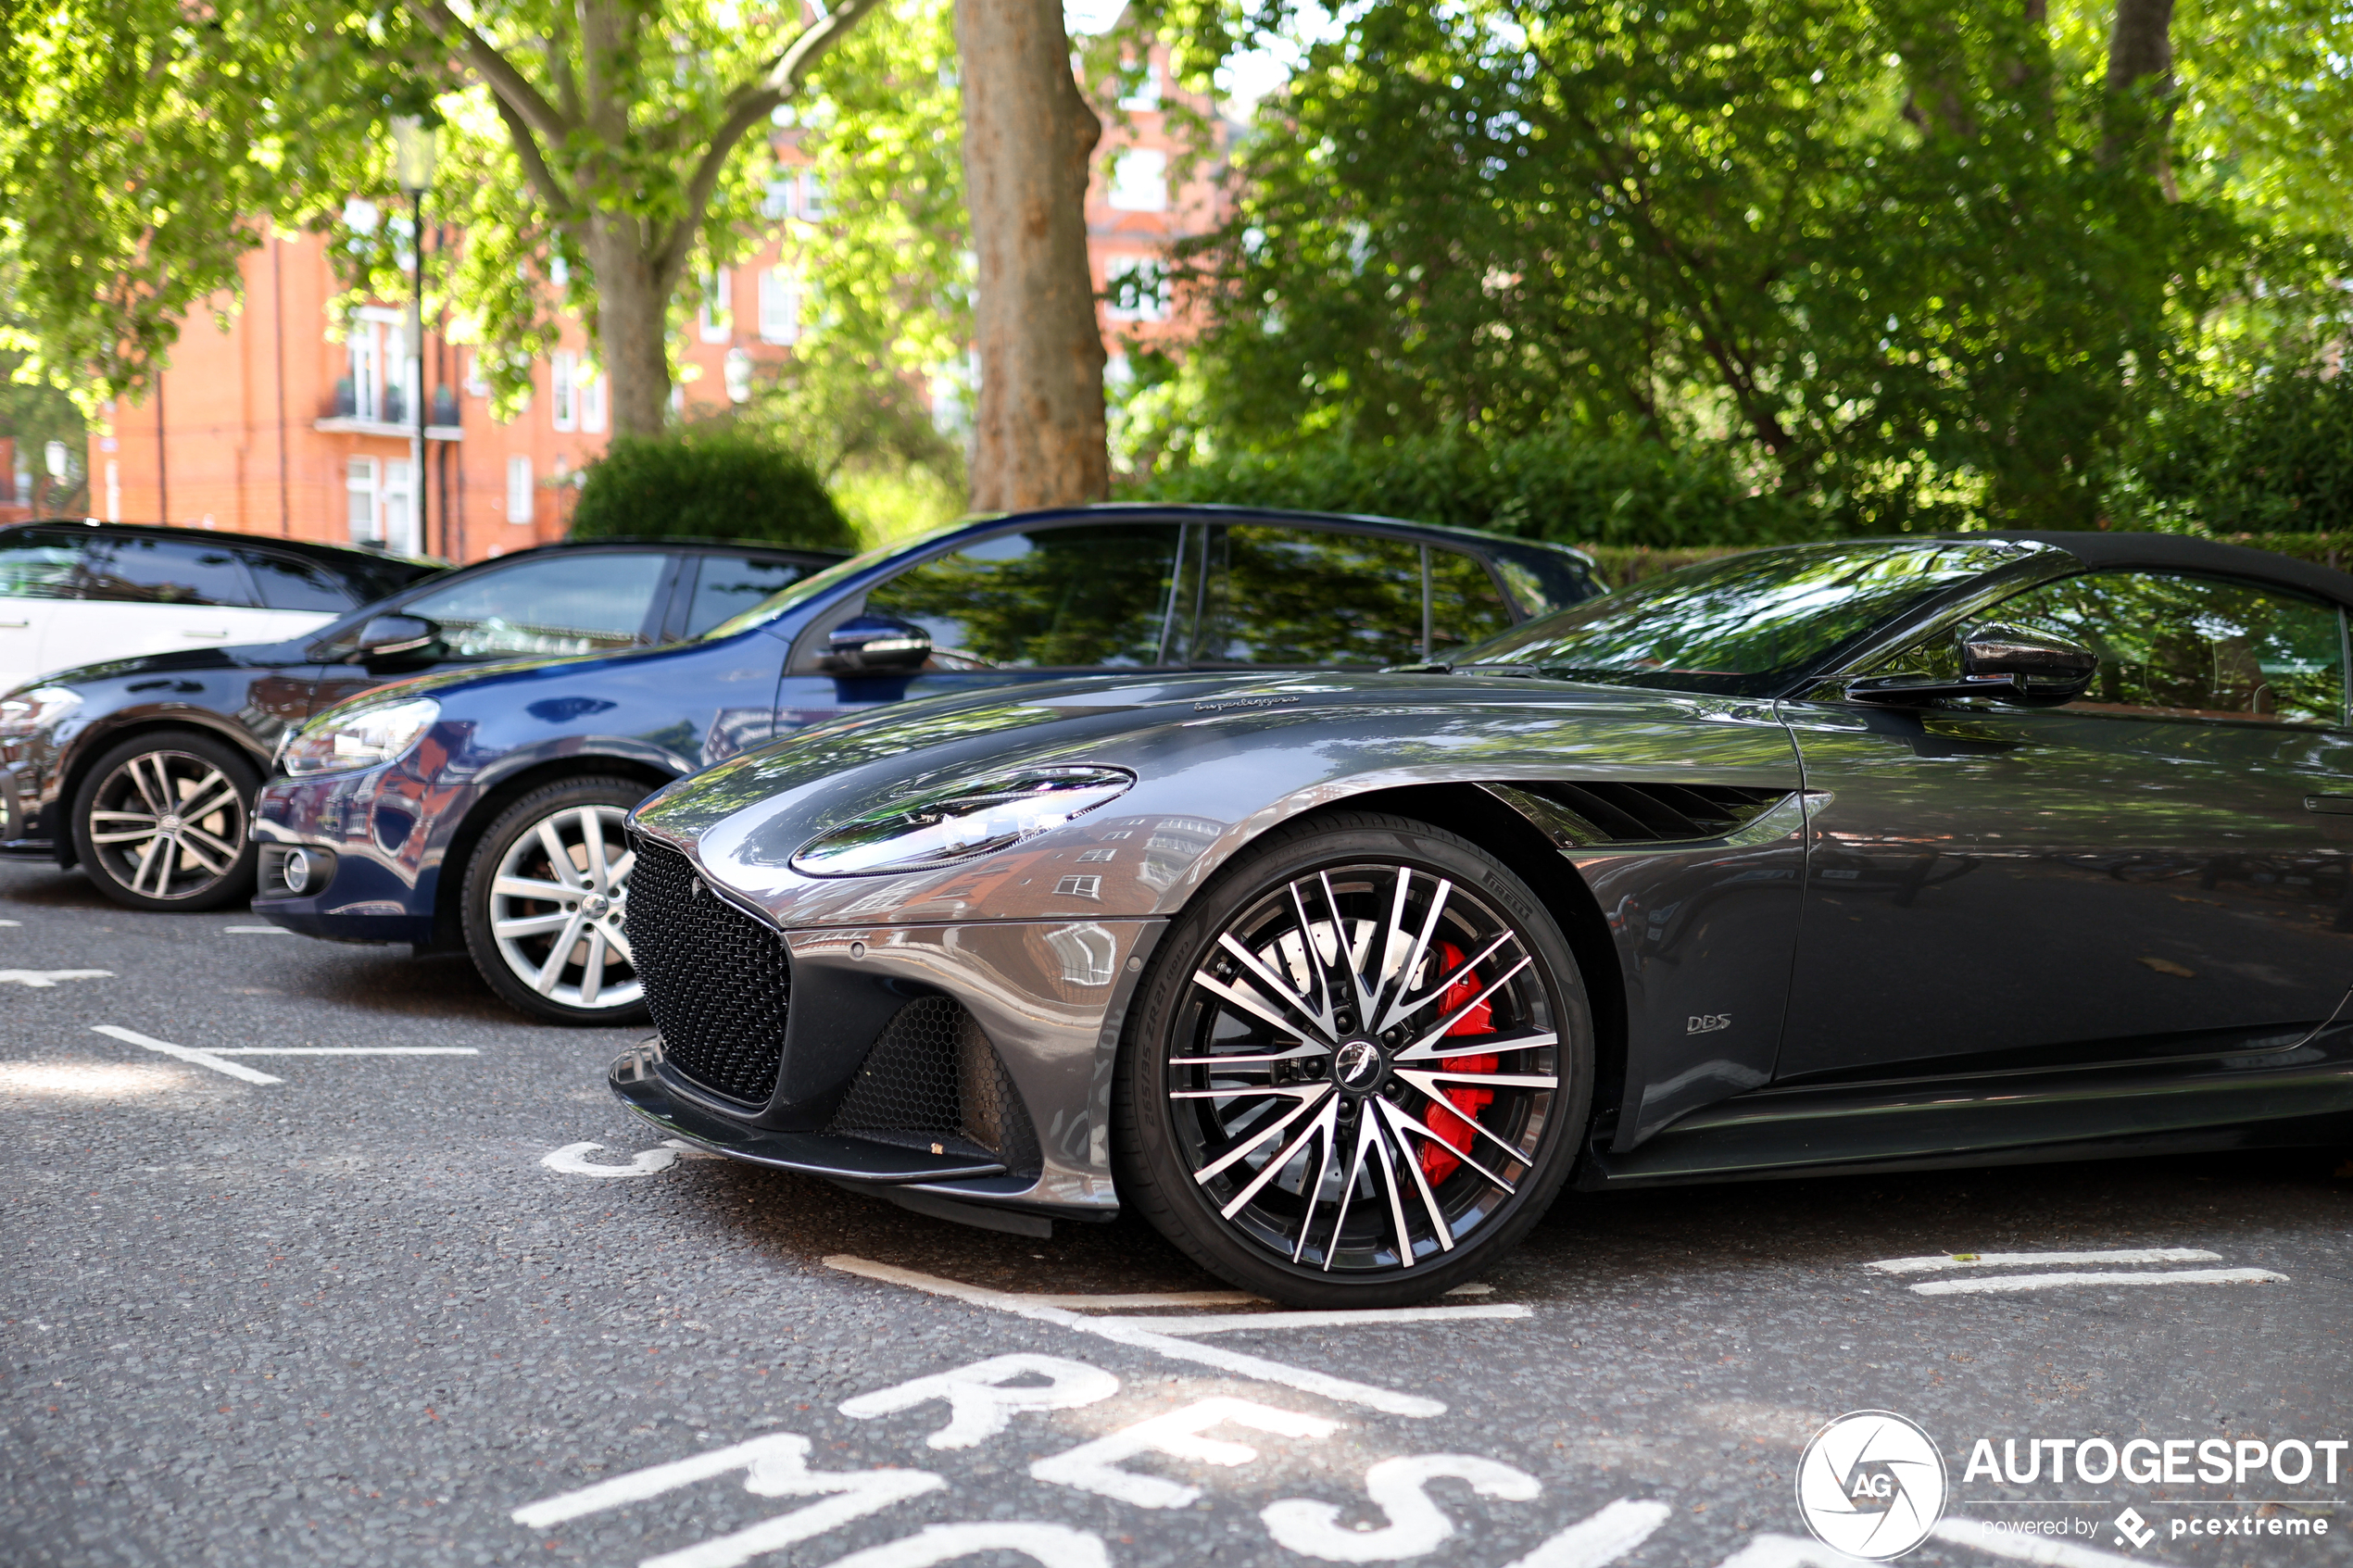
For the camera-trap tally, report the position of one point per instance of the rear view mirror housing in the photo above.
(397, 639)
(2019, 665)
(875, 645)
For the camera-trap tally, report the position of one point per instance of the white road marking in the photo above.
(1398, 1488)
(979, 1405)
(258, 931)
(1142, 1299)
(42, 979)
(1051, 1546)
(1602, 1539)
(2044, 1281)
(2015, 1260)
(2044, 1550)
(183, 1053)
(571, 1160)
(1235, 1323)
(11, 922)
(1094, 1467)
(1339, 1389)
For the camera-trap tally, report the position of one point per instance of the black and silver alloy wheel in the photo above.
(159, 822)
(1361, 1067)
(546, 895)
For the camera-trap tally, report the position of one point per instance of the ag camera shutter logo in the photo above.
(1872, 1485)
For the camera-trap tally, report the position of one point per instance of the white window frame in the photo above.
(812, 195)
(1137, 180)
(1146, 95)
(1118, 268)
(779, 199)
(395, 508)
(363, 363)
(588, 383)
(715, 318)
(780, 294)
(364, 477)
(563, 405)
(520, 491)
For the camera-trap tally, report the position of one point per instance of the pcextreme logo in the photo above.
(1872, 1485)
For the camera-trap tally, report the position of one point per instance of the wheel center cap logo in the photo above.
(595, 905)
(168, 824)
(1357, 1065)
(1872, 1485)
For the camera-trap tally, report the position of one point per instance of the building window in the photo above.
(114, 491)
(400, 532)
(360, 482)
(1146, 95)
(717, 318)
(777, 202)
(518, 490)
(477, 384)
(779, 306)
(24, 477)
(1139, 180)
(1135, 289)
(737, 372)
(364, 366)
(561, 395)
(590, 382)
(1079, 887)
(812, 193)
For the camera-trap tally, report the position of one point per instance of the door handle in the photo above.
(218, 636)
(2330, 805)
(14, 625)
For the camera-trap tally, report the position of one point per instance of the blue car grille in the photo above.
(717, 980)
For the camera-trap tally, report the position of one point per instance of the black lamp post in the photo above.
(414, 141)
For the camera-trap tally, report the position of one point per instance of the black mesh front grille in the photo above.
(934, 1078)
(716, 979)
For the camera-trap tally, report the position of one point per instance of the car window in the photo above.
(728, 585)
(287, 583)
(586, 603)
(39, 566)
(1310, 595)
(1465, 604)
(1085, 594)
(126, 568)
(2174, 645)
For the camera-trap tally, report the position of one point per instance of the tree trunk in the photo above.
(1028, 136)
(2140, 86)
(633, 305)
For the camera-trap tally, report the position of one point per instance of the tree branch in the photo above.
(534, 164)
(748, 105)
(510, 86)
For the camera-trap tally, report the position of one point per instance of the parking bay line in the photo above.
(2042, 1281)
(1127, 1332)
(215, 1059)
(256, 930)
(2018, 1259)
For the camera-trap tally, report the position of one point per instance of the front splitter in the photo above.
(832, 1155)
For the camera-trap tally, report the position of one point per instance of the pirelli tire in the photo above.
(1359, 1068)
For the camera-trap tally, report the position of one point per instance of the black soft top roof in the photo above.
(2188, 553)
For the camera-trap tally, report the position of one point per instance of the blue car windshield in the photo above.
(1746, 625)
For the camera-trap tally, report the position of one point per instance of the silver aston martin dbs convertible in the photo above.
(1874, 855)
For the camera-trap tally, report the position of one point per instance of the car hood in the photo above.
(1233, 752)
(178, 661)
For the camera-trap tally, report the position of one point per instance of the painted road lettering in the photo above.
(1095, 1467)
(1399, 1488)
(983, 1398)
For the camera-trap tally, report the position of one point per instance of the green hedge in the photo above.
(715, 483)
(2275, 461)
(1568, 489)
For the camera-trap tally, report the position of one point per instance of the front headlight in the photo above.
(942, 826)
(36, 707)
(360, 739)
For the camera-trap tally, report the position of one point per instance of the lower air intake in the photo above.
(717, 980)
(934, 1078)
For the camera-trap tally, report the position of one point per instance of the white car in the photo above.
(74, 592)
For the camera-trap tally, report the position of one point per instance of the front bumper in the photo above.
(385, 834)
(835, 1156)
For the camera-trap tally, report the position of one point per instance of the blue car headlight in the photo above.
(942, 826)
(359, 737)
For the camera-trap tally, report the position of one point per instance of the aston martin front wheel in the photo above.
(546, 896)
(1360, 1066)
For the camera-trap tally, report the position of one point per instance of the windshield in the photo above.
(808, 588)
(1746, 625)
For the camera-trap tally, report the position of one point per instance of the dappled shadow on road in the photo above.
(42, 885)
(385, 980)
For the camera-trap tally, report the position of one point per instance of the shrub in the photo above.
(1570, 489)
(717, 484)
(2277, 460)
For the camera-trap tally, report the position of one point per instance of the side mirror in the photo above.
(396, 637)
(875, 645)
(2012, 664)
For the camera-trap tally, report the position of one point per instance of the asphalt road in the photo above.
(354, 1314)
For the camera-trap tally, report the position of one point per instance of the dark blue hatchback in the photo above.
(483, 808)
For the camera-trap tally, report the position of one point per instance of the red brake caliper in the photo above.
(1437, 1165)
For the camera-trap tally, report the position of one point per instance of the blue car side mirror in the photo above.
(875, 645)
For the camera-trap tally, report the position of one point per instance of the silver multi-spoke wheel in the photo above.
(558, 899)
(1362, 1068)
(166, 825)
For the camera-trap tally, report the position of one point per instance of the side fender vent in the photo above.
(1591, 813)
(934, 1078)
